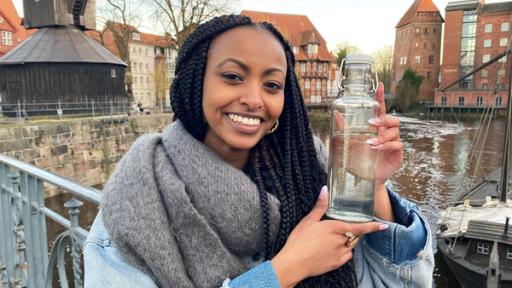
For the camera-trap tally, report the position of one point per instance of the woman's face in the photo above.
(243, 91)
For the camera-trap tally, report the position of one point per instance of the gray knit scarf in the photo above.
(181, 214)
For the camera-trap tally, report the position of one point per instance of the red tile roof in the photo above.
(297, 29)
(417, 6)
(11, 22)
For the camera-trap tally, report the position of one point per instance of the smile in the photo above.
(250, 121)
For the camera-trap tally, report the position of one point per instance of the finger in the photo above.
(320, 207)
(389, 146)
(379, 96)
(388, 121)
(391, 134)
(345, 257)
(342, 227)
(340, 121)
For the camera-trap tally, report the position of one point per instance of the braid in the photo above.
(283, 163)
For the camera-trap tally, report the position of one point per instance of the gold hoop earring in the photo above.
(274, 127)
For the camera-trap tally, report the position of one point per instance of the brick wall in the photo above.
(83, 150)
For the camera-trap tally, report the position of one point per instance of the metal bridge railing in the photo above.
(24, 257)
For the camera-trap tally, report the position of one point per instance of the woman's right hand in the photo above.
(316, 247)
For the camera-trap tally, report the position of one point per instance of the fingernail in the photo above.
(374, 121)
(383, 227)
(378, 147)
(323, 193)
(372, 141)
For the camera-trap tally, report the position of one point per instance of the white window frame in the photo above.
(488, 28)
(505, 26)
(498, 101)
(417, 59)
(307, 84)
(503, 59)
(135, 36)
(6, 38)
(113, 73)
(318, 85)
(487, 43)
(509, 253)
(479, 101)
(485, 73)
(302, 67)
(444, 100)
(461, 103)
(503, 42)
(312, 48)
(486, 58)
(482, 248)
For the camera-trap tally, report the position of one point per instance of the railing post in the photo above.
(73, 206)
(35, 228)
(92, 108)
(20, 265)
(5, 224)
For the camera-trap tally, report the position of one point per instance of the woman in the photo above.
(229, 193)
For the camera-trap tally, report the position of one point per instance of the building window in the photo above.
(147, 80)
(503, 42)
(318, 85)
(6, 38)
(488, 28)
(426, 30)
(134, 80)
(482, 248)
(417, 44)
(113, 73)
(319, 67)
(484, 86)
(461, 101)
(401, 60)
(498, 101)
(444, 100)
(479, 101)
(487, 43)
(147, 66)
(417, 59)
(431, 59)
(485, 73)
(135, 35)
(501, 72)
(486, 58)
(295, 50)
(505, 27)
(312, 48)
(433, 45)
(417, 30)
(429, 75)
(306, 84)
(302, 67)
(509, 250)
(434, 30)
(503, 59)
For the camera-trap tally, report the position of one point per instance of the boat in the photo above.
(474, 234)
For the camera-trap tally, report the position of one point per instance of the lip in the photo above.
(242, 128)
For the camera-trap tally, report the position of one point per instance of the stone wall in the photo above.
(84, 150)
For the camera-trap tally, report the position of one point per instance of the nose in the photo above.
(252, 97)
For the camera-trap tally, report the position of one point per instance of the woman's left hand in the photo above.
(388, 142)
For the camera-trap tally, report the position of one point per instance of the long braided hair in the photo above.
(283, 163)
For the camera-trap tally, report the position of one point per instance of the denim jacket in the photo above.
(400, 256)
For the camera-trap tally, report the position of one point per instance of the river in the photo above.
(433, 169)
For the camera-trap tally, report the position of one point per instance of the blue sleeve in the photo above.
(405, 238)
(262, 276)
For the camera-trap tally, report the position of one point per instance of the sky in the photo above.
(367, 24)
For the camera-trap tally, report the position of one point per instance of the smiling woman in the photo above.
(229, 194)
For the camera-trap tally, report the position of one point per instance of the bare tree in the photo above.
(118, 22)
(342, 50)
(384, 64)
(180, 17)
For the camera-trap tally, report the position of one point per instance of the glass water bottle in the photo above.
(351, 161)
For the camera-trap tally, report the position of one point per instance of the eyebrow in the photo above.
(246, 68)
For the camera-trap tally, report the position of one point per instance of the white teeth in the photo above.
(244, 120)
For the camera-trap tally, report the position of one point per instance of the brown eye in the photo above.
(233, 77)
(273, 85)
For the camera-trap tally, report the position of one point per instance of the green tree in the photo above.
(407, 90)
(343, 49)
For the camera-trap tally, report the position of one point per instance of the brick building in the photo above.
(475, 32)
(315, 66)
(418, 46)
(152, 61)
(12, 33)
